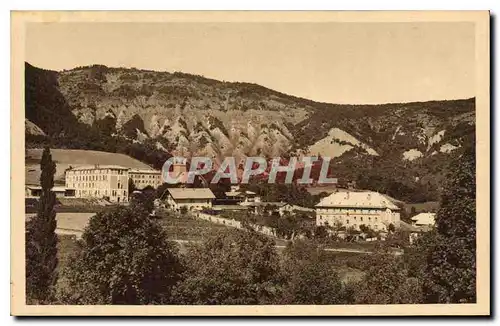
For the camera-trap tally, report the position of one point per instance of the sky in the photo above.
(356, 63)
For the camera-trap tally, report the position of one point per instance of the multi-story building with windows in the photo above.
(352, 209)
(191, 198)
(99, 181)
(143, 178)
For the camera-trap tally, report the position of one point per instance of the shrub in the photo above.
(230, 267)
(124, 258)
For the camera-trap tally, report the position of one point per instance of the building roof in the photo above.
(191, 193)
(298, 208)
(55, 188)
(424, 219)
(233, 194)
(144, 171)
(97, 167)
(362, 199)
(263, 204)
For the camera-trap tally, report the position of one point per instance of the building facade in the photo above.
(108, 182)
(191, 198)
(353, 209)
(143, 178)
(35, 191)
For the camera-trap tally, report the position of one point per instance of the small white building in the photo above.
(191, 198)
(353, 209)
(35, 191)
(424, 219)
(292, 209)
(242, 196)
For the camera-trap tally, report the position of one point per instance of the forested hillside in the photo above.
(402, 149)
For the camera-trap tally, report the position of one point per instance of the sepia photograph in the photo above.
(250, 163)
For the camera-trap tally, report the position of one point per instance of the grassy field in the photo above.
(65, 158)
(188, 228)
(70, 221)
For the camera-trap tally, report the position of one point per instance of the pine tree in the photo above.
(41, 240)
(451, 269)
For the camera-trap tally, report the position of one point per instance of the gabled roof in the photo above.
(191, 193)
(362, 199)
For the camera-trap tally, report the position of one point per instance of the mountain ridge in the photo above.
(156, 114)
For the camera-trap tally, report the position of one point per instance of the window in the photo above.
(361, 218)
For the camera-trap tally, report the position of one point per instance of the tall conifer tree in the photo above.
(41, 240)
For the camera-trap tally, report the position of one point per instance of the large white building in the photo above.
(99, 181)
(353, 209)
(143, 178)
(108, 182)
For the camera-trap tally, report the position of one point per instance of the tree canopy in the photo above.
(230, 267)
(125, 258)
(451, 269)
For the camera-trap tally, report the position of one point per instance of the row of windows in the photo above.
(100, 192)
(193, 201)
(361, 219)
(91, 185)
(115, 193)
(349, 210)
(84, 185)
(375, 226)
(143, 176)
(89, 178)
(146, 182)
(97, 171)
